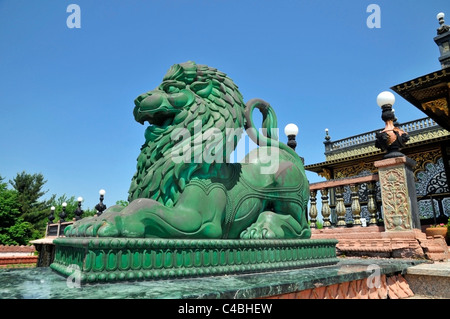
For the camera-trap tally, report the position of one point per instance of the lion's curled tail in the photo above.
(268, 136)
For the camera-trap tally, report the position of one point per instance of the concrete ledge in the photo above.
(440, 269)
(44, 241)
(430, 286)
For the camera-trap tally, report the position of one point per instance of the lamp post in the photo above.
(291, 131)
(100, 207)
(327, 141)
(443, 41)
(79, 211)
(392, 138)
(51, 217)
(327, 136)
(63, 213)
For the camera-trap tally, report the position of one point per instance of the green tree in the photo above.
(14, 230)
(29, 188)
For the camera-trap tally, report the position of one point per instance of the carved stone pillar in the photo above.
(313, 209)
(326, 210)
(372, 203)
(398, 193)
(356, 207)
(340, 207)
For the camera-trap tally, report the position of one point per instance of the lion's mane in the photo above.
(158, 177)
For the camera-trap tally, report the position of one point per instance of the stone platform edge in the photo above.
(92, 260)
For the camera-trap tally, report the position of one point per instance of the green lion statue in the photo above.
(185, 185)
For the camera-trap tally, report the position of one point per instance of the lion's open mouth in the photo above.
(154, 108)
(162, 119)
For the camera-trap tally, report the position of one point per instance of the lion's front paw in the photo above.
(258, 232)
(92, 227)
(265, 227)
(271, 225)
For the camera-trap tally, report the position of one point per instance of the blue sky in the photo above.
(66, 95)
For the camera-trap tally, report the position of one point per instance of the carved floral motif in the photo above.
(395, 199)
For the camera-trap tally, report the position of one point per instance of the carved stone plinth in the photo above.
(90, 260)
(398, 193)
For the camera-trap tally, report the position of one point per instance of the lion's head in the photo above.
(191, 100)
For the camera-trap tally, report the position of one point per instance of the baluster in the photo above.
(356, 207)
(326, 210)
(313, 209)
(340, 206)
(372, 204)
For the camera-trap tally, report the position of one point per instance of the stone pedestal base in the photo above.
(120, 259)
(398, 193)
(46, 250)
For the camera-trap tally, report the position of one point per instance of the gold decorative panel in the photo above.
(439, 104)
(425, 157)
(354, 170)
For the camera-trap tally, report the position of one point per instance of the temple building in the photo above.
(428, 146)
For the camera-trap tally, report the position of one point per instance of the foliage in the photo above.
(14, 230)
(29, 189)
(319, 224)
(448, 231)
(23, 216)
(441, 225)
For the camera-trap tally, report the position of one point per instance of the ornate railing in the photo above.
(333, 190)
(369, 137)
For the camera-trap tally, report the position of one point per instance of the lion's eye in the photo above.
(172, 89)
(173, 86)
